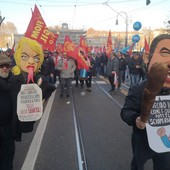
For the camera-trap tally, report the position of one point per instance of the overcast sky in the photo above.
(79, 14)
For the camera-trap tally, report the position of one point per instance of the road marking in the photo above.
(110, 97)
(32, 154)
(77, 138)
(125, 92)
(99, 82)
(93, 82)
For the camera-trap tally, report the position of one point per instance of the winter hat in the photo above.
(4, 59)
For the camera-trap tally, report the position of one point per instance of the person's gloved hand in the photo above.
(155, 80)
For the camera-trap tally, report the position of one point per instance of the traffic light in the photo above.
(148, 2)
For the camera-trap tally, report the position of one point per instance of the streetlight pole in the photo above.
(1, 19)
(126, 22)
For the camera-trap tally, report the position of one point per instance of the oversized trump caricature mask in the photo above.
(28, 57)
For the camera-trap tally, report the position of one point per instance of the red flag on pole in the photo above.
(59, 48)
(74, 52)
(69, 47)
(13, 48)
(37, 30)
(146, 46)
(130, 49)
(83, 46)
(109, 44)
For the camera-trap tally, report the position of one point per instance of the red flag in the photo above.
(59, 48)
(37, 30)
(146, 46)
(90, 49)
(74, 52)
(69, 47)
(13, 48)
(131, 48)
(83, 45)
(109, 44)
(104, 49)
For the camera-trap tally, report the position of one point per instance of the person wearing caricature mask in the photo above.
(28, 58)
(139, 101)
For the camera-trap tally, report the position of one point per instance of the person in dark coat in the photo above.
(122, 68)
(29, 58)
(7, 144)
(104, 60)
(48, 67)
(134, 66)
(139, 101)
(112, 69)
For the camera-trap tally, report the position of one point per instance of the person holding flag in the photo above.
(90, 64)
(66, 67)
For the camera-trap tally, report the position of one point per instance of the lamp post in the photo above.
(1, 19)
(126, 22)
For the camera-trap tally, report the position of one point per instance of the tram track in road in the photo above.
(99, 122)
(124, 90)
(81, 155)
(78, 136)
(84, 126)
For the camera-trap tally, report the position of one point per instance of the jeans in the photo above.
(111, 80)
(134, 78)
(89, 79)
(120, 77)
(65, 83)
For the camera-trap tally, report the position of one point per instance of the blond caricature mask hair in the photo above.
(34, 45)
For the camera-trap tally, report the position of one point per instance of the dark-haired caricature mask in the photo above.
(162, 55)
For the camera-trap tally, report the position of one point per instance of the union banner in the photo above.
(37, 30)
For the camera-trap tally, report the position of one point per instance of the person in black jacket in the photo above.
(122, 68)
(134, 66)
(139, 101)
(48, 67)
(29, 58)
(7, 145)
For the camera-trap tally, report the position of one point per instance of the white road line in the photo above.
(79, 155)
(32, 154)
(93, 82)
(111, 97)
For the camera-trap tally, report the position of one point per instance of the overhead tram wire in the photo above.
(44, 12)
(149, 7)
(74, 12)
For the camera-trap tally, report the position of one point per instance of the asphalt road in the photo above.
(87, 134)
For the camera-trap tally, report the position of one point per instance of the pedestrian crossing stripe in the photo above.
(99, 82)
(93, 82)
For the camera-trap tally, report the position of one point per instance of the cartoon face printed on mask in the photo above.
(161, 54)
(29, 58)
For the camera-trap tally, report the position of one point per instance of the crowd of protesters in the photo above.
(117, 67)
(131, 68)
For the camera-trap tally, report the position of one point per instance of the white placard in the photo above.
(159, 120)
(29, 103)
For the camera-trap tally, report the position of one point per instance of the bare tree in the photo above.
(167, 24)
(7, 30)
